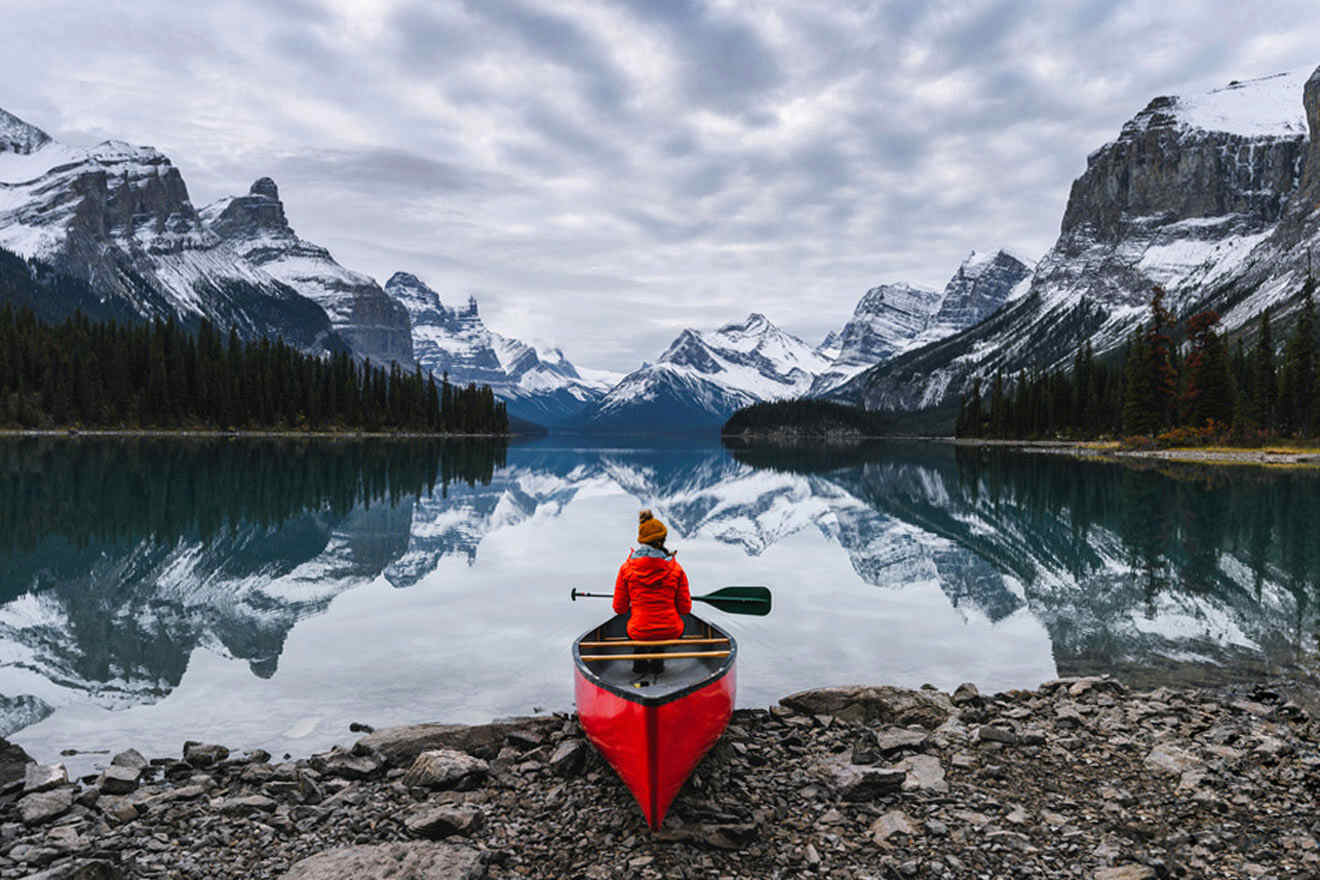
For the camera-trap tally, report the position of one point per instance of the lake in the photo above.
(266, 593)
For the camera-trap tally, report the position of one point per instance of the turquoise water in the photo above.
(265, 593)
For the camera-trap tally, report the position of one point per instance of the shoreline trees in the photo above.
(80, 373)
(1153, 390)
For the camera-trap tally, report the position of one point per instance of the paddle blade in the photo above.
(739, 600)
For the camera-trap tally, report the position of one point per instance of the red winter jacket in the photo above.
(655, 589)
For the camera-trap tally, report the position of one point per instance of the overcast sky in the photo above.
(601, 175)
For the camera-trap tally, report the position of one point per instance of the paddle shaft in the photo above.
(727, 602)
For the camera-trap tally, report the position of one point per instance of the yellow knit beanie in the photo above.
(649, 528)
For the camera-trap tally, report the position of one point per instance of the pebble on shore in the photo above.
(1079, 778)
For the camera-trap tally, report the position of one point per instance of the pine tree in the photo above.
(1209, 393)
(1263, 379)
(1299, 367)
(1140, 410)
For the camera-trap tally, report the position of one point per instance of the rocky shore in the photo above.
(1079, 778)
(1111, 451)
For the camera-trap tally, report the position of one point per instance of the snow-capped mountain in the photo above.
(1208, 196)
(118, 217)
(976, 291)
(254, 225)
(703, 377)
(885, 322)
(539, 384)
(896, 318)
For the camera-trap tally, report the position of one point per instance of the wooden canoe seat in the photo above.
(683, 655)
(632, 643)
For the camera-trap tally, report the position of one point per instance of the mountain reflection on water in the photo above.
(267, 592)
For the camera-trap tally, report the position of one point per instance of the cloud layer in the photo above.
(602, 174)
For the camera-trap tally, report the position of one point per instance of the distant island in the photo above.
(806, 419)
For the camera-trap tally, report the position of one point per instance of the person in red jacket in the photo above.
(652, 589)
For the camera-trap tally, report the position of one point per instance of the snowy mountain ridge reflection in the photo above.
(121, 558)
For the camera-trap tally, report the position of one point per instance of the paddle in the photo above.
(735, 600)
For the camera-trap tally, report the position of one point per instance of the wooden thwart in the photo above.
(630, 643)
(682, 655)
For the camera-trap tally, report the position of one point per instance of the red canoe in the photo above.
(653, 729)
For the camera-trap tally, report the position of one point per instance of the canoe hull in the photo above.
(654, 748)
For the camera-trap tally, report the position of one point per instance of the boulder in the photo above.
(891, 823)
(43, 777)
(350, 766)
(966, 694)
(246, 806)
(870, 705)
(446, 769)
(129, 758)
(569, 758)
(401, 745)
(203, 754)
(924, 773)
(42, 805)
(417, 859)
(118, 779)
(896, 739)
(13, 763)
(862, 783)
(439, 822)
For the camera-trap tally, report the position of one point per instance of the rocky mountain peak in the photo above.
(264, 186)
(260, 213)
(17, 136)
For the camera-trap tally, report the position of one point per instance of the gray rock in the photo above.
(246, 806)
(13, 763)
(1126, 872)
(119, 779)
(402, 745)
(1170, 759)
(129, 758)
(42, 805)
(446, 769)
(203, 754)
(348, 766)
(860, 783)
(44, 777)
(438, 822)
(896, 739)
(80, 869)
(891, 823)
(986, 733)
(870, 705)
(966, 693)
(924, 773)
(416, 860)
(569, 757)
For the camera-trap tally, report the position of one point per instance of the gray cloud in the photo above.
(603, 174)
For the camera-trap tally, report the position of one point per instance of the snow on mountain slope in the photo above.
(538, 383)
(118, 216)
(895, 318)
(1189, 196)
(255, 226)
(704, 376)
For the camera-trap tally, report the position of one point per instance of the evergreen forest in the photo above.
(130, 375)
(1173, 384)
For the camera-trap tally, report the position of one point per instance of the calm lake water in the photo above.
(265, 593)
